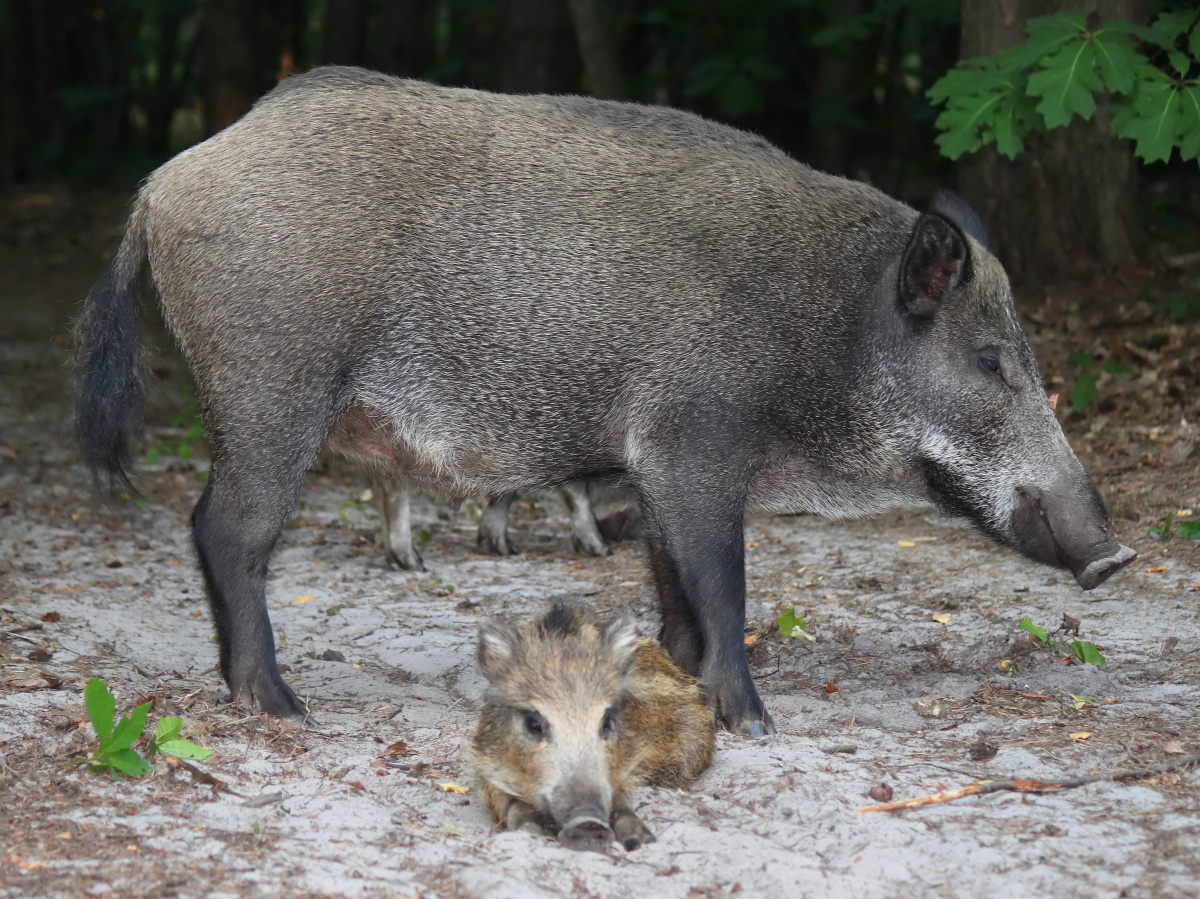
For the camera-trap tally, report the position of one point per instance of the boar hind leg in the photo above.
(698, 559)
(397, 526)
(584, 533)
(235, 525)
(493, 526)
(628, 828)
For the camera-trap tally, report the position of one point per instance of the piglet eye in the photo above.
(533, 724)
(990, 364)
(608, 727)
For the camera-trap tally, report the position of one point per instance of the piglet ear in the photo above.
(620, 638)
(500, 648)
(936, 261)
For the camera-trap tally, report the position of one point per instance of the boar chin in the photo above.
(1059, 530)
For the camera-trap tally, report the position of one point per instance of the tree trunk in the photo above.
(346, 33)
(840, 76)
(229, 62)
(403, 38)
(533, 49)
(601, 70)
(1066, 206)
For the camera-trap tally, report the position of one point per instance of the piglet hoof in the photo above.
(631, 832)
(586, 832)
(590, 545)
(492, 543)
(409, 561)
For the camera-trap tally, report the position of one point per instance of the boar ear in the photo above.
(499, 648)
(936, 261)
(620, 638)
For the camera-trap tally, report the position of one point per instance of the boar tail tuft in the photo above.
(111, 363)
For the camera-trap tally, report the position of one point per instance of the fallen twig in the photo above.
(202, 777)
(1029, 786)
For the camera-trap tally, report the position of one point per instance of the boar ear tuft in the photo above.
(499, 648)
(951, 206)
(936, 261)
(620, 637)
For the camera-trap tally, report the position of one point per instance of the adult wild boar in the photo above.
(490, 293)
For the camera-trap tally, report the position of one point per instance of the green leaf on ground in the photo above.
(1088, 653)
(1083, 392)
(167, 741)
(1039, 632)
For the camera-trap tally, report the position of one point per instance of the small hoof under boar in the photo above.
(577, 714)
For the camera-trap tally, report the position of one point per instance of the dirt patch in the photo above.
(885, 694)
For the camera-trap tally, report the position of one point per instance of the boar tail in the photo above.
(112, 362)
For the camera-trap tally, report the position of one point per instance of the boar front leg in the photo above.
(697, 555)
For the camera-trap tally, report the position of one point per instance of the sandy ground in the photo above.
(356, 806)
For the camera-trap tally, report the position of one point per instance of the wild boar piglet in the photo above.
(577, 714)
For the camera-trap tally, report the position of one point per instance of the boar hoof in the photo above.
(586, 832)
(268, 693)
(1097, 572)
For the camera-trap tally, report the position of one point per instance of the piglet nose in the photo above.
(586, 831)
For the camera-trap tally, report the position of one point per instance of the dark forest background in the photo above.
(99, 92)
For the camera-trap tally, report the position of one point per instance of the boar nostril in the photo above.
(1097, 572)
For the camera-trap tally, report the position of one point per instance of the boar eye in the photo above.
(533, 724)
(990, 364)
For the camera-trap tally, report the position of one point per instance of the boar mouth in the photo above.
(1065, 533)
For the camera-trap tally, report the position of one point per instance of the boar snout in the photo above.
(1061, 530)
(586, 830)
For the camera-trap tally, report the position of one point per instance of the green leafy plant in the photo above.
(344, 512)
(1056, 73)
(115, 752)
(1081, 650)
(1187, 529)
(792, 623)
(1084, 390)
(1177, 304)
(167, 741)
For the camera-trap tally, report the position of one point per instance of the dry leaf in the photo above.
(831, 687)
(1157, 570)
(1053, 401)
(942, 617)
(1173, 747)
(451, 830)
(881, 793)
(1080, 735)
(397, 748)
(303, 599)
(751, 639)
(450, 786)
(906, 543)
